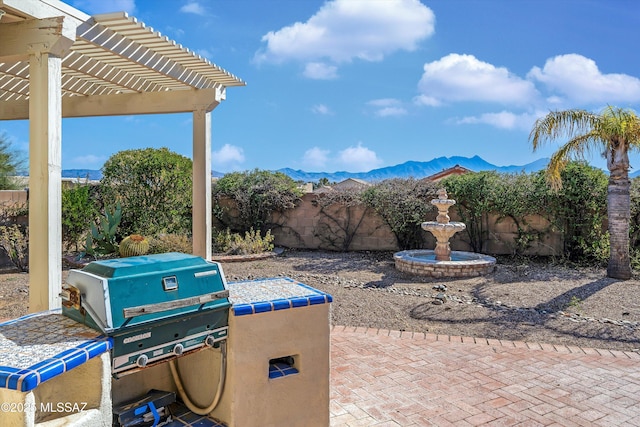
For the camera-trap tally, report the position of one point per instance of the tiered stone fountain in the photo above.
(443, 262)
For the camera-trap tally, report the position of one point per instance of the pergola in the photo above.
(55, 62)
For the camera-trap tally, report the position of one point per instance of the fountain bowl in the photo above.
(422, 262)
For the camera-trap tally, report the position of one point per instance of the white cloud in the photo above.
(457, 78)
(94, 7)
(228, 157)
(579, 80)
(391, 112)
(322, 110)
(503, 120)
(320, 71)
(343, 30)
(387, 107)
(315, 158)
(359, 159)
(193, 7)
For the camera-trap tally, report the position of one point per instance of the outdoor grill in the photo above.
(154, 307)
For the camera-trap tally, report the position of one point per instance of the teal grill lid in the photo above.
(146, 264)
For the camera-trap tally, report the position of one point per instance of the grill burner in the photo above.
(154, 307)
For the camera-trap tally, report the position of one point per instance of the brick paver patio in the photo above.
(391, 378)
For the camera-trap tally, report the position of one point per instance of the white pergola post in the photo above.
(45, 163)
(202, 183)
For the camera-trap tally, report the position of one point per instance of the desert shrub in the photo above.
(579, 210)
(255, 195)
(507, 195)
(154, 187)
(11, 163)
(634, 225)
(14, 240)
(78, 210)
(341, 212)
(163, 243)
(403, 204)
(473, 193)
(236, 244)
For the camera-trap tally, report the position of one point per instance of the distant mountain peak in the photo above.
(409, 169)
(415, 169)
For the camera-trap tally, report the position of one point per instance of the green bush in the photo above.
(473, 193)
(154, 187)
(235, 244)
(404, 205)
(170, 243)
(14, 239)
(78, 210)
(11, 163)
(578, 209)
(256, 195)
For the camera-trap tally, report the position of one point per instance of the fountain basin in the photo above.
(422, 262)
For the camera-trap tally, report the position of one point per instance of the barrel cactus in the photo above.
(134, 245)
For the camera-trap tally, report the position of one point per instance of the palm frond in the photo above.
(560, 125)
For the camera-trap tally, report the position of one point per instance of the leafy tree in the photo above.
(614, 131)
(578, 209)
(11, 163)
(154, 188)
(78, 210)
(256, 195)
(473, 193)
(404, 205)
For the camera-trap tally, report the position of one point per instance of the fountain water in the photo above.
(442, 262)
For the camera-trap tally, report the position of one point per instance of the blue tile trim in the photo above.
(41, 346)
(265, 295)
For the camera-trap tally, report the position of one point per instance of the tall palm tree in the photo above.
(615, 131)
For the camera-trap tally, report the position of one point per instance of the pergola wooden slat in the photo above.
(55, 62)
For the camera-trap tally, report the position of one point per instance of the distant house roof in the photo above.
(455, 170)
(350, 183)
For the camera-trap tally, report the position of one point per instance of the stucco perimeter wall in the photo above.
(308, 227)
(11, 198)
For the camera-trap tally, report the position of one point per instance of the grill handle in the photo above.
(139, 310)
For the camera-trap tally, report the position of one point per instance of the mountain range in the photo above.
(410, 169)
(413, 169)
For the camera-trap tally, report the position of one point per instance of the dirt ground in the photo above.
(526, 301)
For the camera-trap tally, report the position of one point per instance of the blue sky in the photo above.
(360, 84)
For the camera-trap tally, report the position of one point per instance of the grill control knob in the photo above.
(178, 349)
(210, 341)
(142, 360)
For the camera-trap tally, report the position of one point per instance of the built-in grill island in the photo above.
(239, 354)
(154, 308)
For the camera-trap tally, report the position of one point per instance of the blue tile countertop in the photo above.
(40, 346)
(263, 295)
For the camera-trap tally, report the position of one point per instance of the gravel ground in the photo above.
(534, 302)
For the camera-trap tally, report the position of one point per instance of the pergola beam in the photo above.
(19, 39)
(125, 104)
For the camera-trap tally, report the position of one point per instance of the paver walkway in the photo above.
(391, 378)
